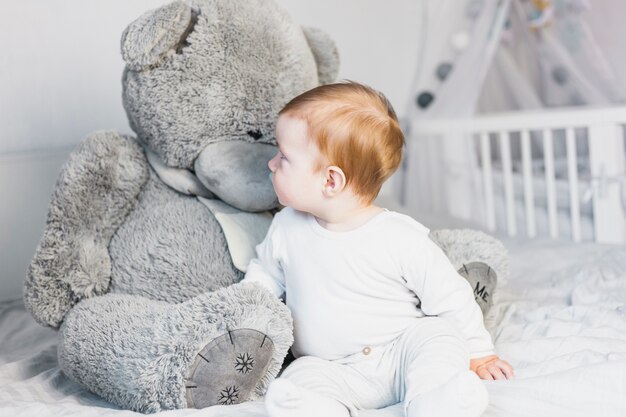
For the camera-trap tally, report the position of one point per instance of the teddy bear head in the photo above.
(204, 81)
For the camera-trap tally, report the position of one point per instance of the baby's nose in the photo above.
(271, 165)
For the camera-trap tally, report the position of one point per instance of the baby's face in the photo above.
(293, 177)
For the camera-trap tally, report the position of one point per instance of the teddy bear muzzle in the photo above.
(251, 189)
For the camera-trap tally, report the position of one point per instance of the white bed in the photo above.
(560, 320)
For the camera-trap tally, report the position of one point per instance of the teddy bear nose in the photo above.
(256, 134)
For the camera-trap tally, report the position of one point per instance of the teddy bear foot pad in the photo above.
(227, 370)
(483, 280)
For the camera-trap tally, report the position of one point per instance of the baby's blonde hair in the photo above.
(354, 128)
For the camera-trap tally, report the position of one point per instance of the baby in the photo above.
(380, 314)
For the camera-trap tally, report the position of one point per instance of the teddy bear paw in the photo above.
(483, 280)
(228, 369)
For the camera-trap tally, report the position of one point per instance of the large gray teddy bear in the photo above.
(147, 238)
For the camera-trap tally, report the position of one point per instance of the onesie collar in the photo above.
(322, 231)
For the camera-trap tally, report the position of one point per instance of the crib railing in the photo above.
(450, 166)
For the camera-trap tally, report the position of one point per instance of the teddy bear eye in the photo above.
(256, 134)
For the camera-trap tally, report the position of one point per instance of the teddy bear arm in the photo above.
(478, 257)
(96, 189)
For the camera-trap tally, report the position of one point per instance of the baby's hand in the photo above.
(491, 367)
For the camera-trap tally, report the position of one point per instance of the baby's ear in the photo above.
(156, 34)
(325, 52)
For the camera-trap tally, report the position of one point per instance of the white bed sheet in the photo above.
(561, 321)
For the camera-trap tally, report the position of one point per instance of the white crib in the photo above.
(554, 172)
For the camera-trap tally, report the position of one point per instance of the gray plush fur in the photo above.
(170, 248)
(147, 42)
(325, 53)
(138, 275)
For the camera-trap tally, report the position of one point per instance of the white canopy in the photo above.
(480, 56)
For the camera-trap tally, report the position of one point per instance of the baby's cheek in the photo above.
(276, 183)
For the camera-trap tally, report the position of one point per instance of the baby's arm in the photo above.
(265, 268)
(444, 293)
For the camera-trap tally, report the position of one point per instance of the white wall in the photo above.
(377, 40)
(60, 72)
(606, 21)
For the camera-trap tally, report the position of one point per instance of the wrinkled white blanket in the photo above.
(561, 321)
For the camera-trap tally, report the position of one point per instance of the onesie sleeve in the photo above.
(265, 268)
(444, 293)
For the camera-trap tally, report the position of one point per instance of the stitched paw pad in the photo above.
(227, 370)
(483, 280)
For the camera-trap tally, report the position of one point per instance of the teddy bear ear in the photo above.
(325, 52)
(156, 34)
